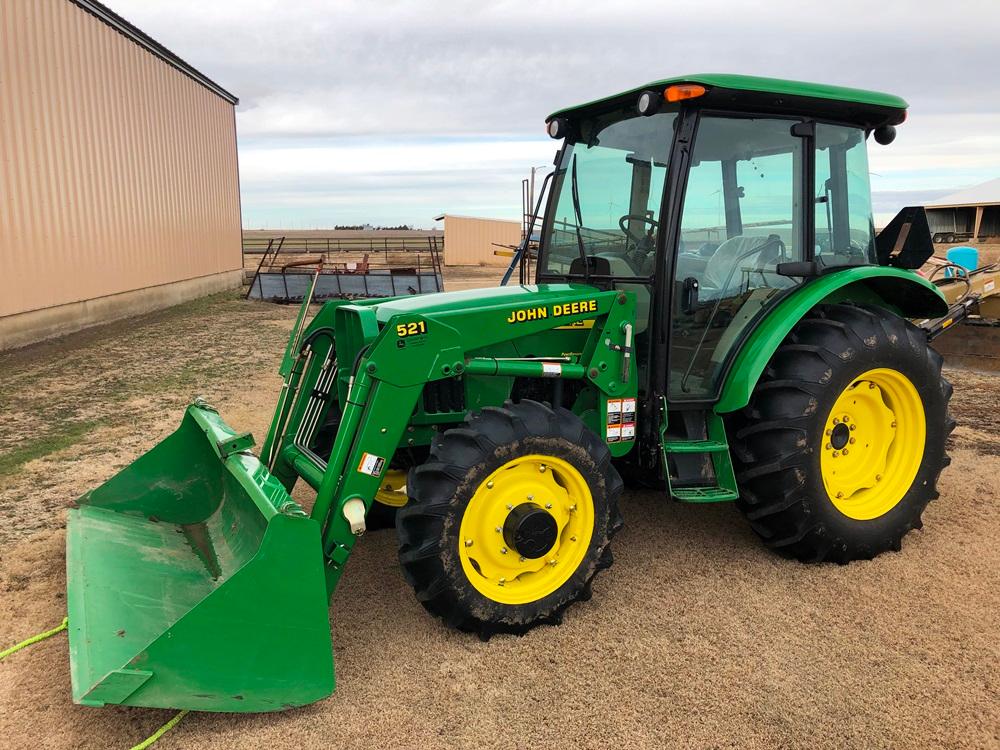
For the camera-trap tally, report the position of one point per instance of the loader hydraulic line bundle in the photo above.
(713, 316)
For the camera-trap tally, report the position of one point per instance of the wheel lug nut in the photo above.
(829, 432)
(893, 425)
(845, 451)
(502, 581)
(521, 558)
(548, 505)
(572, 538)
(878, 477)
(572, 507)
(835, 454)
(489, 485)
(497, 529)
(552, 561)
(836, 420)
(531, 497)
(854, 427)
(871, 385)
(542, 468)
(503, 550)
(510, 507)
(852, 441)
(846, 419)
(840, 495)
(468, 542)
(828, 446)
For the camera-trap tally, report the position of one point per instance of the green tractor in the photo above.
(713, 316)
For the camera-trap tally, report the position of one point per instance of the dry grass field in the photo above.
(695, 638)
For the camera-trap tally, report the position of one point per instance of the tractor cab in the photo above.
(711, 198)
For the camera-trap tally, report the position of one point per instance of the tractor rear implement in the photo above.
(714, 316)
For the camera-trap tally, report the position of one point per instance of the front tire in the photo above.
(841, 446)
(510, 519)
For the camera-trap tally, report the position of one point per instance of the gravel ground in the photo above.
(697, 637)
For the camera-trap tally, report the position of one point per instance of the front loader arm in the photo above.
(389, 364)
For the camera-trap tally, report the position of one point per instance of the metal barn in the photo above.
(119, 188)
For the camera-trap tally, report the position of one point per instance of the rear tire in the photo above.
(838, 360)
(464, 543)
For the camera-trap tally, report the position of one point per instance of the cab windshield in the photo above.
(608, 187)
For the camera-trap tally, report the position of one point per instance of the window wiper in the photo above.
(574, 189)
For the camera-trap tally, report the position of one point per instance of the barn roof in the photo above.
(985, 193)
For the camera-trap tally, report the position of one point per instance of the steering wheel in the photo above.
(623, 224)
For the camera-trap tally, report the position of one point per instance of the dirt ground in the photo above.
(696, 637)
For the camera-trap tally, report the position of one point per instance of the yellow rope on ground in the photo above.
(161, 731)
(62, 626)
(35, 639)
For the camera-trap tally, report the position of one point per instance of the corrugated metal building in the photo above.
(471, 241)
(119, 187)
(974, 210)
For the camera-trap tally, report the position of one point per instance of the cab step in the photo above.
(695, 446)
(715, 446)
(704, 494)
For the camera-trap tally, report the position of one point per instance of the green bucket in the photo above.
(194, 581)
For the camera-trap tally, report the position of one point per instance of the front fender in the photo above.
(898, 290)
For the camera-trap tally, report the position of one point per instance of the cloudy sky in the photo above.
(391, 112)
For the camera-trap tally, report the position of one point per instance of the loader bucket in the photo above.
(194, 581)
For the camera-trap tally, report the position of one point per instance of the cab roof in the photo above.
(730, 91)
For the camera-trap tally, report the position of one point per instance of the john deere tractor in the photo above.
(713, 316)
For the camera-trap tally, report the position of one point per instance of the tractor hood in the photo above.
(482, 299)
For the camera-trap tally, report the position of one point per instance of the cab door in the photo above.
(742, 215)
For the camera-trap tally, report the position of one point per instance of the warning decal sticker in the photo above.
(621, 420)
(628, 419)
(614, 426)
(371, 464)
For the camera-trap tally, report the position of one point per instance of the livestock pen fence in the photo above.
(347, 267)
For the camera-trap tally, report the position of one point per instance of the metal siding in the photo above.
(468, 241)
(117, 171)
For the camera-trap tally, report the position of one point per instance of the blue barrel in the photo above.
(967, 257)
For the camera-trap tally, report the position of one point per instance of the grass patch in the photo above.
(39, 447)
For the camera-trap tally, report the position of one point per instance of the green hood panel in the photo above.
(482, 299)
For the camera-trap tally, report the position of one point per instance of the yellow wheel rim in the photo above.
(392, 492)
(492, 565)
(873, 443)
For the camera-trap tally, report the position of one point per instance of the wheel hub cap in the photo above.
(530, 530)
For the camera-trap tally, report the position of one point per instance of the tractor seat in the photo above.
(733, 251)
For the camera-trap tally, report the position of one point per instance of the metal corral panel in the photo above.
(293, 286)
(470, 241)
(117, 170)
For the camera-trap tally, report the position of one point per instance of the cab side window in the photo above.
(845, 232)
(741, 217)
